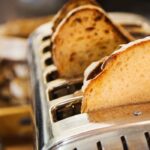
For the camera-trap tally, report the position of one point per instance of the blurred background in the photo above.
(11, 9)
(16, 113)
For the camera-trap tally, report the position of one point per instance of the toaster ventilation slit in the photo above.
(52, 76)
(147, 136)
(46, 49)
(124, 143)
(64, 90)
(99, 146)
(48, 61)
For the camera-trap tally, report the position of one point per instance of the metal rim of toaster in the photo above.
(97, 131)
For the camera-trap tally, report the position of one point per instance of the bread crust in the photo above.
(121, 34)
(107, 65)
(70, 5)
(118, 29)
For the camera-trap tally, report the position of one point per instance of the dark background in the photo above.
(12, 9)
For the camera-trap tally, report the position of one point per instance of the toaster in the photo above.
(59, 125)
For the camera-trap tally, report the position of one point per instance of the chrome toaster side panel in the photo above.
(74, 131)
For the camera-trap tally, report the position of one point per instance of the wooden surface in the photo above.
(16, 122)
(18, 144)
(20, 147)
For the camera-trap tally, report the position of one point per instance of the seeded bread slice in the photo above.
(85, 35)
(124, 79)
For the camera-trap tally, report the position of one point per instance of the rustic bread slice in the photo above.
(121, 114)
(85, 35)
(70, 5)
(124, 79)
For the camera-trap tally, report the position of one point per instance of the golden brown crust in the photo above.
(56, 38)
(107, 65)
(70, 5)
(114, 56)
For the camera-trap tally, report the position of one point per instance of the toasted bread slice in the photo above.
(85, 35)
(121, 114)
(70, 5)
(124, 79)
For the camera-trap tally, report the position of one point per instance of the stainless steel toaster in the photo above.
(59, 123)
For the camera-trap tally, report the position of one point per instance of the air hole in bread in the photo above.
(106, 31)
(142, 75)
(72, 56)
(79, 38)
(88, 36)
(60, 41)
(89, 28)
(119, 63)
(96, 33)
(85, 18)
(78, 20)
(103, 47)
(71, 34)
(97, 18)
(91, 90)
(121, 69)
(90, 54)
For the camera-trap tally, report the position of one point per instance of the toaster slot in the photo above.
(64, 90)
(46, 49)
(136, 30)
(139, 35)
(132, 26)
(99, 146)
(52, 76)
(45, 38)
(124, 143)
(48, 61)
(147, 136)
(66, 110)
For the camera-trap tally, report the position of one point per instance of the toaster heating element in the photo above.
(59, 123)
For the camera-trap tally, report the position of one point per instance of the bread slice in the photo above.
(124, 79)
(70, 5)
(122, 114)
(85, 35)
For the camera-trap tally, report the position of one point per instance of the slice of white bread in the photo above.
(86, 34)
(124, 79)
